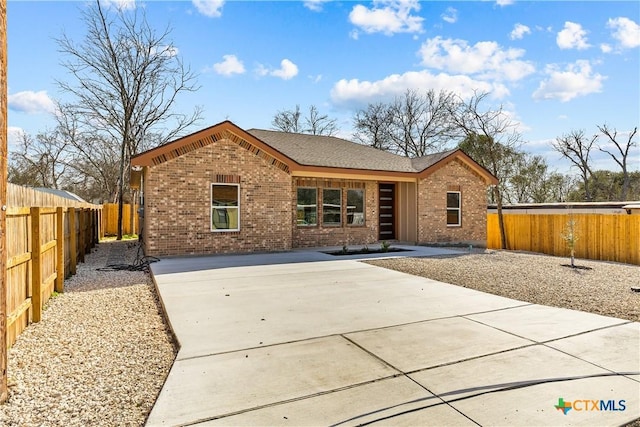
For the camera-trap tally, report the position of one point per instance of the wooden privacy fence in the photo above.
(44, 245)
(601, 236)
(110, 219)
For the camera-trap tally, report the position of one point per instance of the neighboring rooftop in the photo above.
(61, 193)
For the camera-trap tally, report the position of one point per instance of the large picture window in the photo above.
(453, 209)
(355, 207)
(331, 206)
(225, 207)
(307, 207)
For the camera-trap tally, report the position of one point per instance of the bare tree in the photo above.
(127, 78)
(320, 124)
(313, 123)
(576, 148)
(413, 125)
(288, 121)
(372, 126)
(622, 155)
(493, 141)
(40, 162)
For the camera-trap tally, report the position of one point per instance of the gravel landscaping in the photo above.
(100, 354)
(603, 289)
(102, 351)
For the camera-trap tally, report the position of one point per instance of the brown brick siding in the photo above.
(432, 203)
(320, 235)
(177, 203)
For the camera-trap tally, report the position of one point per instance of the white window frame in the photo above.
(459, 208)
(213, 208)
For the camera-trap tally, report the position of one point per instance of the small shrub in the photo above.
(570, 236)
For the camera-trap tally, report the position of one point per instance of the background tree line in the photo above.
(126, 76)
(420, 123)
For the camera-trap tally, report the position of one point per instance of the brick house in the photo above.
(228, 190)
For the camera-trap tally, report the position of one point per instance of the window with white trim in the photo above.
(225, 207)
(454, 211)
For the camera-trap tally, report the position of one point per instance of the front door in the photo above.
(386, 211)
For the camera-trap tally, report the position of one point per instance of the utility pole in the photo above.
(3, 201)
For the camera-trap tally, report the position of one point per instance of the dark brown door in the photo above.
(386, 215)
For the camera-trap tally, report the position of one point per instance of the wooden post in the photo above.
(3, 201)
(36, 267)
(73, 241)
(59, 286)
(81, 244)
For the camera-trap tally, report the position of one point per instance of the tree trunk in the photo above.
(3, 198)
(121, 191)
(625, 185)
(503, 234)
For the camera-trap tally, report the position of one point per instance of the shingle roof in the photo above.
(329, 151)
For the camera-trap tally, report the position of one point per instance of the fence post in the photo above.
(59, 286)
(101, 223)
(36, 267)
(81, 235)
(73, 241)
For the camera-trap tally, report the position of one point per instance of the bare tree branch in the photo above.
(126, 80)
(622, 155)
(576, 148)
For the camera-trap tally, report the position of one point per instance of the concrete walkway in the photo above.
(305, 338)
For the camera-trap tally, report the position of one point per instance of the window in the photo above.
(453, 208)
(355, 207)
(225, 207)
(307, 207)
(331, 206)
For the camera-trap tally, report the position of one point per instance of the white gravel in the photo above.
(99, 356)
(102, 351)
(603, 289)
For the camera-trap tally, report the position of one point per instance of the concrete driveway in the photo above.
(304, 338)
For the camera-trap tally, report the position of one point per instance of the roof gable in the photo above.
(222, 131)
(293, 151)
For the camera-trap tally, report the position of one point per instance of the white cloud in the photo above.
(518, 32)
(210, 8)
(119, 4)
(14, 136)
(356, 92)
(287, 70)
(450, 15)
(573, 36)
(31, 102)
(315, 79)
(315, 5)
(605, 48)
(230, 65)
(387, 17)
(504, 2)
(626, 31)
(578, 79)
(486, 59)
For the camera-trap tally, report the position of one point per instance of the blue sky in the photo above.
(554, 66)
